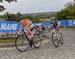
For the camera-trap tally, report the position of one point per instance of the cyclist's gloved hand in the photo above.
(19, 31)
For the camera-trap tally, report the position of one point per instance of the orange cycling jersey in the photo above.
(25, 21)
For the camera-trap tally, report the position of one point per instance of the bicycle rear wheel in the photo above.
(21, 43)
(55, 40)
(36, 41)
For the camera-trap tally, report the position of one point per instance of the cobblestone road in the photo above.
(47, 50)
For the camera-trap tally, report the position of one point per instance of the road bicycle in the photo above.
(56, 36)
(24, 41)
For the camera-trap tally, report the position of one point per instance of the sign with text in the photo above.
(70, 22)
(9, 26)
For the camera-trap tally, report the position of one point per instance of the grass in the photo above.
(7, 40)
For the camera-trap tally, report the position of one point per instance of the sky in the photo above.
(34, 6)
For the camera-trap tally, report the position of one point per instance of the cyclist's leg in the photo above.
(57, 29)
(30, 32)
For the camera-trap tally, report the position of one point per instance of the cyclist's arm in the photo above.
(21, 25)
(27, 24)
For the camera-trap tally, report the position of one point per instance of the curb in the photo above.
(2, 45)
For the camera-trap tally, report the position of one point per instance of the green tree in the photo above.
(68, 12)
(2, 8)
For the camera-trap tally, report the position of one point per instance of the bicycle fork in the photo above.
(30, 41)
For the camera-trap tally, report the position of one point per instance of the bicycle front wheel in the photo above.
(55, 39)
(61, 38)
(21, 43)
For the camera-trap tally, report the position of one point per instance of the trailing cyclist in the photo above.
(54, 24)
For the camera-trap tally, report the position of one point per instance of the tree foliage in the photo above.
(16, 17)
(2, 8)
(68, 12)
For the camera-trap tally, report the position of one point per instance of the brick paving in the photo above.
(47, 50)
